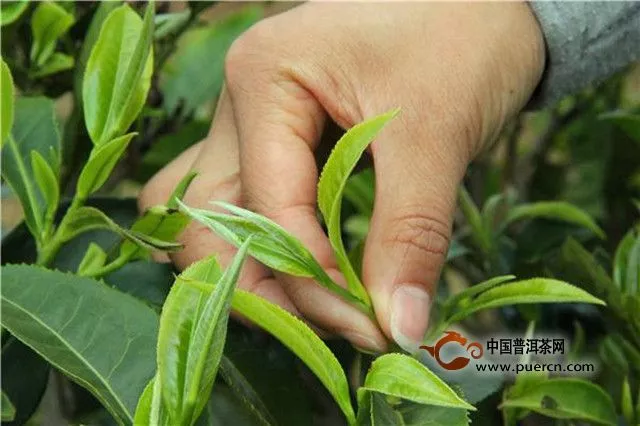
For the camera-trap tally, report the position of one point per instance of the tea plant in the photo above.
(128, 341)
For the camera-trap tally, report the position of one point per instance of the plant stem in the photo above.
(49, 249)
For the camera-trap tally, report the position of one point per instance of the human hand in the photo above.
(458, 71)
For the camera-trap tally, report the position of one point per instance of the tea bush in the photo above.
(546, 243)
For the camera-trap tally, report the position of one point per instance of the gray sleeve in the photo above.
(586, 42)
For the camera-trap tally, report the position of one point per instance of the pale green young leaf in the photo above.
(405, 377)
(34, 129)
(56, 63)
(48, 23)
(6, 101)
(302, 341)
(626, 402)
(47, 181)
(479, 233)
(565, 398)
(271, 244)
(479, 288)
(8, 410)
(626, 263)
(101, 162)
(94, 258)
(12, 10)
(101, 338)
(331, 185)
(534, 290)
(86, 218)
(554, 210)
(118, 73)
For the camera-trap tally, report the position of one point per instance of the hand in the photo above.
(458, 71)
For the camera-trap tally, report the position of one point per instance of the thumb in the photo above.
(416, 185)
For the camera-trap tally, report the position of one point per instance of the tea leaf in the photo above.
(34, 129)
(626, 402)
(628, 122)
(101, 162)
(8, 410)
(169, 23)
(360, 190)
(626, 263)
(271, 244)
(47, 181)
(422, 415)
(150, 409)
(56, 63)
(11, 11)
(382, 413)
(479, 234)
(301, 340)
(405, 377)
(48, 23)
(94, 258)
(6, 100)
(565, 398)
(555, 210)
(103, 339)
(534, 290)
(331, 185)
(118, 73)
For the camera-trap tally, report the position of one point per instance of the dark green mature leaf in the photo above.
(333, 179)
(199, 46)
(48, 23)
(359, 191)
(24, 378)
(627, 121)
(193, 328)
(6, 100)
(101, 338)
(565, 398)
(34, 129)
(404, 377)
(8, 410)
(555, 210)
(149, 281)
(56, 63)
(428, 415)
(271, 244)
(118, 73)
(11, 11)
(101, 162)
(626, 263)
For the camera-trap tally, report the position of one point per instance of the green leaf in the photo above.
(626, 402)
(554, 210)
(93, 259)
(101, 338)
(404, 377)
(12, 10)
(207, 45)
(86, 218)
(331, 185)
(428, 415)
(360, 190)
(626, 263)
(8, 410)
(382, 413)
(565, 398)
(47, 181)
(56, 63)
(6, 100)
(534, 290)
(150, 410)
(48, 23)
(169, 23)
(101, 162)
(301, 340)
(628, 122)
(34, 129)
(193, 329)
(90, 39)
(479, 234)
(271, 244)
(118, 73)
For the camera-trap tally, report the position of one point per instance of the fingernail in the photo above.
(409, 316)
(365, 343)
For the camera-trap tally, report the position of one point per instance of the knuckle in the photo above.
(156, 191)
(416, 230)
(246, 50)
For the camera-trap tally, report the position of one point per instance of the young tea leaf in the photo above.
(12, 10)
(565, 398)
(101, 338)
(94, 258)
(8, 410)
(56, 63)
(48, 23)
(626, 263)
(6, 101)
(118, 73)
(405, 377)
(47, 181)
(331, 185)
(271, 245)
(101, 162)
(479, 233)
(193, 328)
(150, 409)
(555, 210)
